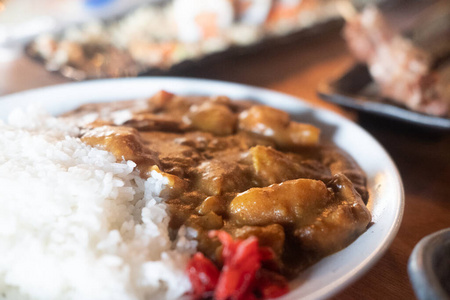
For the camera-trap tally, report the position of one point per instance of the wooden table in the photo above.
(423, 157)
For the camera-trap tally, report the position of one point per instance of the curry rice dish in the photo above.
(168, 196)
(240, 167)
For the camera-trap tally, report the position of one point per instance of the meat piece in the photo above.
(324, 219)
(276, 125)
(217, 177)
(272, 166)
(174, 185)
(124, 142)
(402, 70)
(340, 162)
(214, 204)
(341, 222)
(291, 203)
(215, 118)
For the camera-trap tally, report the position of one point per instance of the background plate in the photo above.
(355, 89)
(331, 274)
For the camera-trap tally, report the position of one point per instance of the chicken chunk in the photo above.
(291, 203)
(324, 219)
(340, 162)
(211, 117)
(124, 142)
(272, 166)
(174, 185)
(339, 223)
(276, 125)
(218, 177)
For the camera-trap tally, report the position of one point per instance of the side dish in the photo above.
(413, 68)
(161, 36)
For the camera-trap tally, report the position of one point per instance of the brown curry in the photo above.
(245, 168)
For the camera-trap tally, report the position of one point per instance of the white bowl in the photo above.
(331, 274)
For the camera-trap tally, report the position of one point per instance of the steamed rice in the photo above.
(76, 224)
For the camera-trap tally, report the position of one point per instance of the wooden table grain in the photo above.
(296, 68)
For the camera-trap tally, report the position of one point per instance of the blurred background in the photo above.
(85, 39)
(385, 63)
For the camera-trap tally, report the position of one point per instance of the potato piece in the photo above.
(217, 119)
(276, 124)
(293, 202)
(339, 224)
(268, 236)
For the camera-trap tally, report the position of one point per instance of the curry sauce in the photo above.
(241, 167)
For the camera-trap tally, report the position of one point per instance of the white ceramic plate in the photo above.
(331, 274)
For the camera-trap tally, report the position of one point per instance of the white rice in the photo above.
(75, 224)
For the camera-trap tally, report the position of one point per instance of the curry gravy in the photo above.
(238, 166)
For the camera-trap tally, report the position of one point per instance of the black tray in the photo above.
(355, 89)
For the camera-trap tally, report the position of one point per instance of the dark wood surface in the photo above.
(296, 68)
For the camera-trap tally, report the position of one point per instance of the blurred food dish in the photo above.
(355, 89)
(410, 69)
(160, 37)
